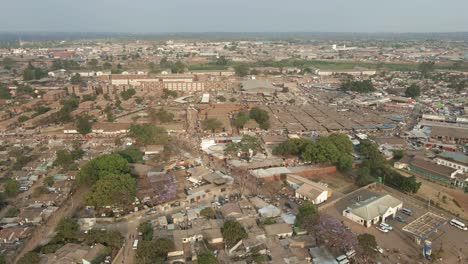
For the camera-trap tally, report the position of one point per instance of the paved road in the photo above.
(127, 255)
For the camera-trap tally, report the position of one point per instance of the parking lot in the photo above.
(401, 244)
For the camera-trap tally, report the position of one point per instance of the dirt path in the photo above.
(45, 231)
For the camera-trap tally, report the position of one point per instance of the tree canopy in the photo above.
(59, 64)
(29, 258)
(364, 86)
(127, 94)
(154, 252)
(335, 149)
(67, 229)
(83, 125)
(240, 119)
(147, 230)
(207, 258)
(132, 154)
(367, 243)
(211, 124)
(148, 134)
(76, 79)
(413, 91)
(113, 189)
(4, 92)
(247, 143)
(233, 232)
(11, 187)
(307, 216)
(242, 69)
(161, 115)
(375, 165)
(33, 73)
(261, 117)
(99, 167)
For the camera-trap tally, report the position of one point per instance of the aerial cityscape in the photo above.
(209, 136)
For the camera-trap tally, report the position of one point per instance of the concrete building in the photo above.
(306, 189)
(281, 230)
(373, 210)
(455, 160)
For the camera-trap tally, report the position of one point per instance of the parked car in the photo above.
(407, 211)
(386, 226)
(378, 249)
(381, 229)
(400, 219)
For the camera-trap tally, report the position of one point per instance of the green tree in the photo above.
(292, 147)
(76, 79)
(367, 243)
(247, 143)
(221, 98)
(97, 168)
(83, 125)
(211, 124)
(49, 181)
(33, 73)
(29, 258)
(222, 61)
(154, 252)
(93, 63)
(178, 67)
(322, 151)
(426, 67)
(261, 117)
(148, 134)
(2, 259)
(242, 69)
(161, 115)
(240, 119)
(113, 189)
(12, 212)
(413, 91)
(398, 154)
(23, 118)
(164, 63)
(364, 86)
(64, 158)
(345, 162)
(307, 216)
(107, 65)
(232, 232)
(147, 230)
(11, 187)
(342, 142)
(208, 212)
(207, 258)
(8, 62)
(127, 94)
(3, 200)
(108, 238)
(168, 93)
(4, 92)
(67, 230)
(132, 154)
(364, 176)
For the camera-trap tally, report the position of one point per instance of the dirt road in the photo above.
(45, 231)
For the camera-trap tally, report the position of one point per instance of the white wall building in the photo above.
(373, 210)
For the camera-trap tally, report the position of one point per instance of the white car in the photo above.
(378, 249)
(386, 226)
(381, 229)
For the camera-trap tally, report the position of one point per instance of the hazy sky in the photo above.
(153, 16)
